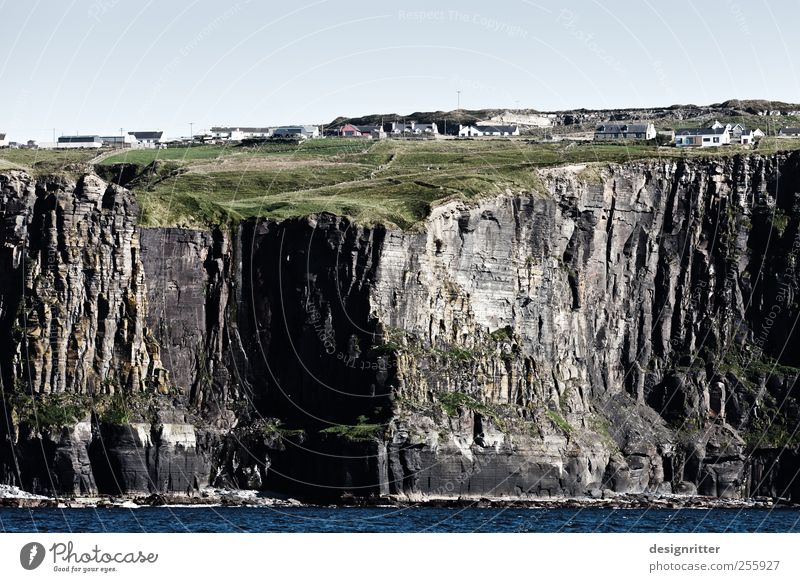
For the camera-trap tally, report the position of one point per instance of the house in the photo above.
(487, 129)
(667, 135)
(789, 132)
(749, 136)
(614, 131)
(374, 131)
(240, 133)
(740, 134)
(254, 132)
(735, 130)
(404, 127)
(350, 130)
(426, 128)
(303, 131)
(3, 140)
(702, 137)
(79, 141)
(119, 141)
(482, 129)
(365, 131)
(147, 139)
(226, 133)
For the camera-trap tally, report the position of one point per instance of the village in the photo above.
(715, 134)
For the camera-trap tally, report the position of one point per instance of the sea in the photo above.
(394, 519)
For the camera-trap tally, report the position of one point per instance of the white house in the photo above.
(488, 129)
(147, 139)
(702, 137)
(789, 132)
(426, 128)
(240, 133)
(482, 129)
(740, 134)
(3, 140)
(735, 130)
(401, 127)
(749, 136)
(119, 141)
(222, 133)
(614, 131)
(303, 131)
(79, 141)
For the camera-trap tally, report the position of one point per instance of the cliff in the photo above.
(627, 328)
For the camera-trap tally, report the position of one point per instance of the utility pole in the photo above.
(191, 132)
(458, 106)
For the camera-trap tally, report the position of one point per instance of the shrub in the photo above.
(46, 411)
(360, 432)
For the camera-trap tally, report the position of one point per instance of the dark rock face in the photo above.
(625, 327)
(141, 457)
(75, 338)
(57, 462)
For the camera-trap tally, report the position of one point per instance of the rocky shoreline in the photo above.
(248, 498)
(14, 497)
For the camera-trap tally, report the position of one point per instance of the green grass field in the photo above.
(42, 162)
(389, 181)
(308, 149)
(769, 145)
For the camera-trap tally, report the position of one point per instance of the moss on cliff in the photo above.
(270, 429)
(559, 421)
(48, 411)
(362, 431)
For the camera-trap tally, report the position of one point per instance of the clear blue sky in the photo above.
(96, 66)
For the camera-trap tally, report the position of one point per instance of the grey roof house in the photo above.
(79, 141)
(612, 131)
(149, 136)
(482, 129)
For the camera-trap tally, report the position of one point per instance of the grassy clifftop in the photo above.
(389, 181)
(42, 162)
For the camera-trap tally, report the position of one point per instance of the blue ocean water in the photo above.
(376, 519)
